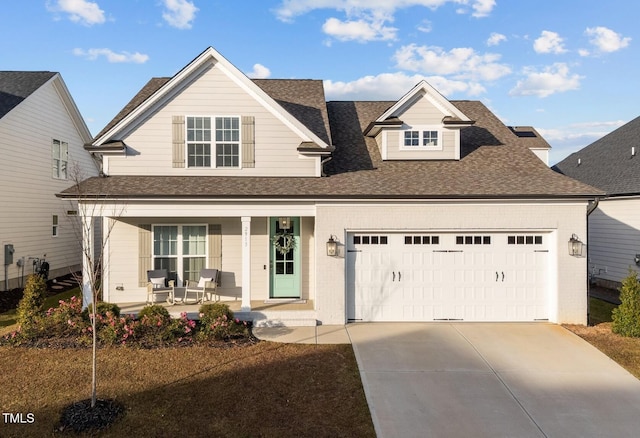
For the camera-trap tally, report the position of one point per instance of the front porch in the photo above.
(263, 313)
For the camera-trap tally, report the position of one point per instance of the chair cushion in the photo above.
(203, 281)
(158, 282)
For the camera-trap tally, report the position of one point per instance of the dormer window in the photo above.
(421, 138)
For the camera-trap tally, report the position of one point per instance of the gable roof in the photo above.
(495, 164)
(158, 89)
(16, 86)
(608, 163)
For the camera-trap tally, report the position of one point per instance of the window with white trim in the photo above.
(221, 138)
(421, 137)
(180, 249)
(59, 158)
(54, 224)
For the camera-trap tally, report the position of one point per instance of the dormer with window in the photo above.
(423, 125)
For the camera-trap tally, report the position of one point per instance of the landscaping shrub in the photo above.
(102, 307)
(217, 322)
(626, 317)
(67, 325)
(30, 306)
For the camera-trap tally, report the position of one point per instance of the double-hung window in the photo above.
(180, 249)
(421, 138)
(213, 142)
(59, 159)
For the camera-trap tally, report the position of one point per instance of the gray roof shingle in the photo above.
(16, 86)
(495, 163)
(607, 163)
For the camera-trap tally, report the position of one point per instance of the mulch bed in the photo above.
(81, 417)
(9, 299)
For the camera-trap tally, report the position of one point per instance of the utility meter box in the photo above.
(8, 254)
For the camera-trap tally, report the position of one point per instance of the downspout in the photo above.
(322, 163)
(590, 209)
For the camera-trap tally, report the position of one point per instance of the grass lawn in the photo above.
(266, 389)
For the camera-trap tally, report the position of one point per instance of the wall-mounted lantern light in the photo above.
(284, 222)
(636, 259)
(332, 246)
(575, 246)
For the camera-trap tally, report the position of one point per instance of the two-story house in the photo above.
(42, 138)
(437, 210)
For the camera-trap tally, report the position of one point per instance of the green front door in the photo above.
(285, 259)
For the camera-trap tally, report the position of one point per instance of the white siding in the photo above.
(567, 275)
(28, 189)
(614, 236)
(213, 94)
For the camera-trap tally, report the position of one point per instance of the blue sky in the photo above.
(570, 68)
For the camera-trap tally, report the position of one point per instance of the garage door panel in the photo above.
(475, 277)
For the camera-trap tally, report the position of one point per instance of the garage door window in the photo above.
(421, 240)
(370, 240)
(473, 240)
(524, 240)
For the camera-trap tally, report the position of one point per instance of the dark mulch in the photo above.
(9, 299)
(81, 417)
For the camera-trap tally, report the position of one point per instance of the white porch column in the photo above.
(246, 264)
(87, 259)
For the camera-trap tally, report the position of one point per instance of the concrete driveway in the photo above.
(491, 380)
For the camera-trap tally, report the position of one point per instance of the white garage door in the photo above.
(447, 276)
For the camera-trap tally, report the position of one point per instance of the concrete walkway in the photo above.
(483, 379)
(320, 334)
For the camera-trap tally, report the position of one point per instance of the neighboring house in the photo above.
(439, 210)
(611, 164)
(42, 138)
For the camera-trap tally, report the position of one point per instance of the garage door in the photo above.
(447, 276)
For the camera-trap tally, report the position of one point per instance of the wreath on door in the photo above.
(284, 242)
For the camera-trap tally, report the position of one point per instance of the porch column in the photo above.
(246, 264)
(87, 259)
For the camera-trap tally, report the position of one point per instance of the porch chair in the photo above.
(208, 284)
(160, 283)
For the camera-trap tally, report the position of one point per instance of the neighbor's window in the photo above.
(225, 142)
(59, 158)
(422, 139)
(54, 222)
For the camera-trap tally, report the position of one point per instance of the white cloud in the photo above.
(606, 40)
(111, 56)
(79, 11)
(568, 139)
(482, 8)
(583, 52)
(495, 39)
(179, 13)
(461, 63)
(358, 30)
(259, 72)
(392, 86)
(553, 79)
(366, 20)
(426, 26)
(549, 42)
